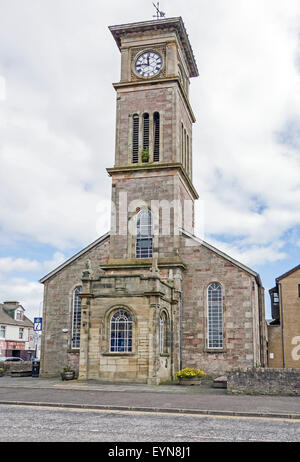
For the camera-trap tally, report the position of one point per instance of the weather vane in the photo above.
(159, 14)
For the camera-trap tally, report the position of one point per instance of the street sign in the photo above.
(37, 324)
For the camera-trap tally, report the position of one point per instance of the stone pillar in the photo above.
(153, 345)
(85, 321)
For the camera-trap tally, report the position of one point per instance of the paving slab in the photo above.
(162, 398)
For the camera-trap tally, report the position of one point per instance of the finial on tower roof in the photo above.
(159, 14)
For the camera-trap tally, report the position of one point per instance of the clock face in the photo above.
(148, 64)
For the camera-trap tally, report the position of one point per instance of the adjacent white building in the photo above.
(16, 331)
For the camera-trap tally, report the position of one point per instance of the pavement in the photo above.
(93, 394)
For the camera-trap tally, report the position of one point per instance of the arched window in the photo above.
(76, 319)
(156, 125)
(135, 139)
(163, 342)
(215, 315)
(144, 234)
(121, 332)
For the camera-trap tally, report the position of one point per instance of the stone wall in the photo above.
(73, 361)
(22, 368)
(264, 381)
(57, 310)
(241, 347)
(275, 358)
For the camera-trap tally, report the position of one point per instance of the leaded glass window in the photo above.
(215, 316)
(121, 332)
(76, 322)
(144, 234)
(2, 331)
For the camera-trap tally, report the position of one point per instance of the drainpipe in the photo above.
(261, 327)
(282, 324)
(180, 330)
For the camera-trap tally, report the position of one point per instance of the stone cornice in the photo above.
(174, 24)
(125, 264)
(155, 166)
(137, 83)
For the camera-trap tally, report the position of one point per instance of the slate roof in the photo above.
(6, 319)
(288, 273)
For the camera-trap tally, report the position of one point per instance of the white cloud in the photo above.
(24, 265)
(58, 60)
(28, 293)
(251, 255)
(9, 265)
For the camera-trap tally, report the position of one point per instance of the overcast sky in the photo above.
(57, 130)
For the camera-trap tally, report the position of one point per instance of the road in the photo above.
(45, 424)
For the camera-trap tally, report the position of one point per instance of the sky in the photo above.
(58, 61)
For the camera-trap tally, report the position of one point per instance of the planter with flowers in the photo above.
(190, 376)
(67, 373)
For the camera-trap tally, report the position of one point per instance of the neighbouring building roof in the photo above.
(288, 273)
(5, 318)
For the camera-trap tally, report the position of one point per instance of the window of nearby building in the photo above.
(215, 316)
(18, 315)
(298, 290)
(121, 332)
(144, 234)
(2, 331)
(76, 321)
(21, 332)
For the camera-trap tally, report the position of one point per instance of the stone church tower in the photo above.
(149, 298)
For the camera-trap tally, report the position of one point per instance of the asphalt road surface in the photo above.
(45, 424)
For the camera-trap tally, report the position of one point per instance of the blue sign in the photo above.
(37, 324)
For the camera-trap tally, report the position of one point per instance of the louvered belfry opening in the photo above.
(135, 139)
(146, 131)
(156, 123)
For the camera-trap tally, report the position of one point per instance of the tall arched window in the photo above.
(144, 234)
(121, 332)
(76, 318)
(215, 316)
(156, 125)
(135, 138)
